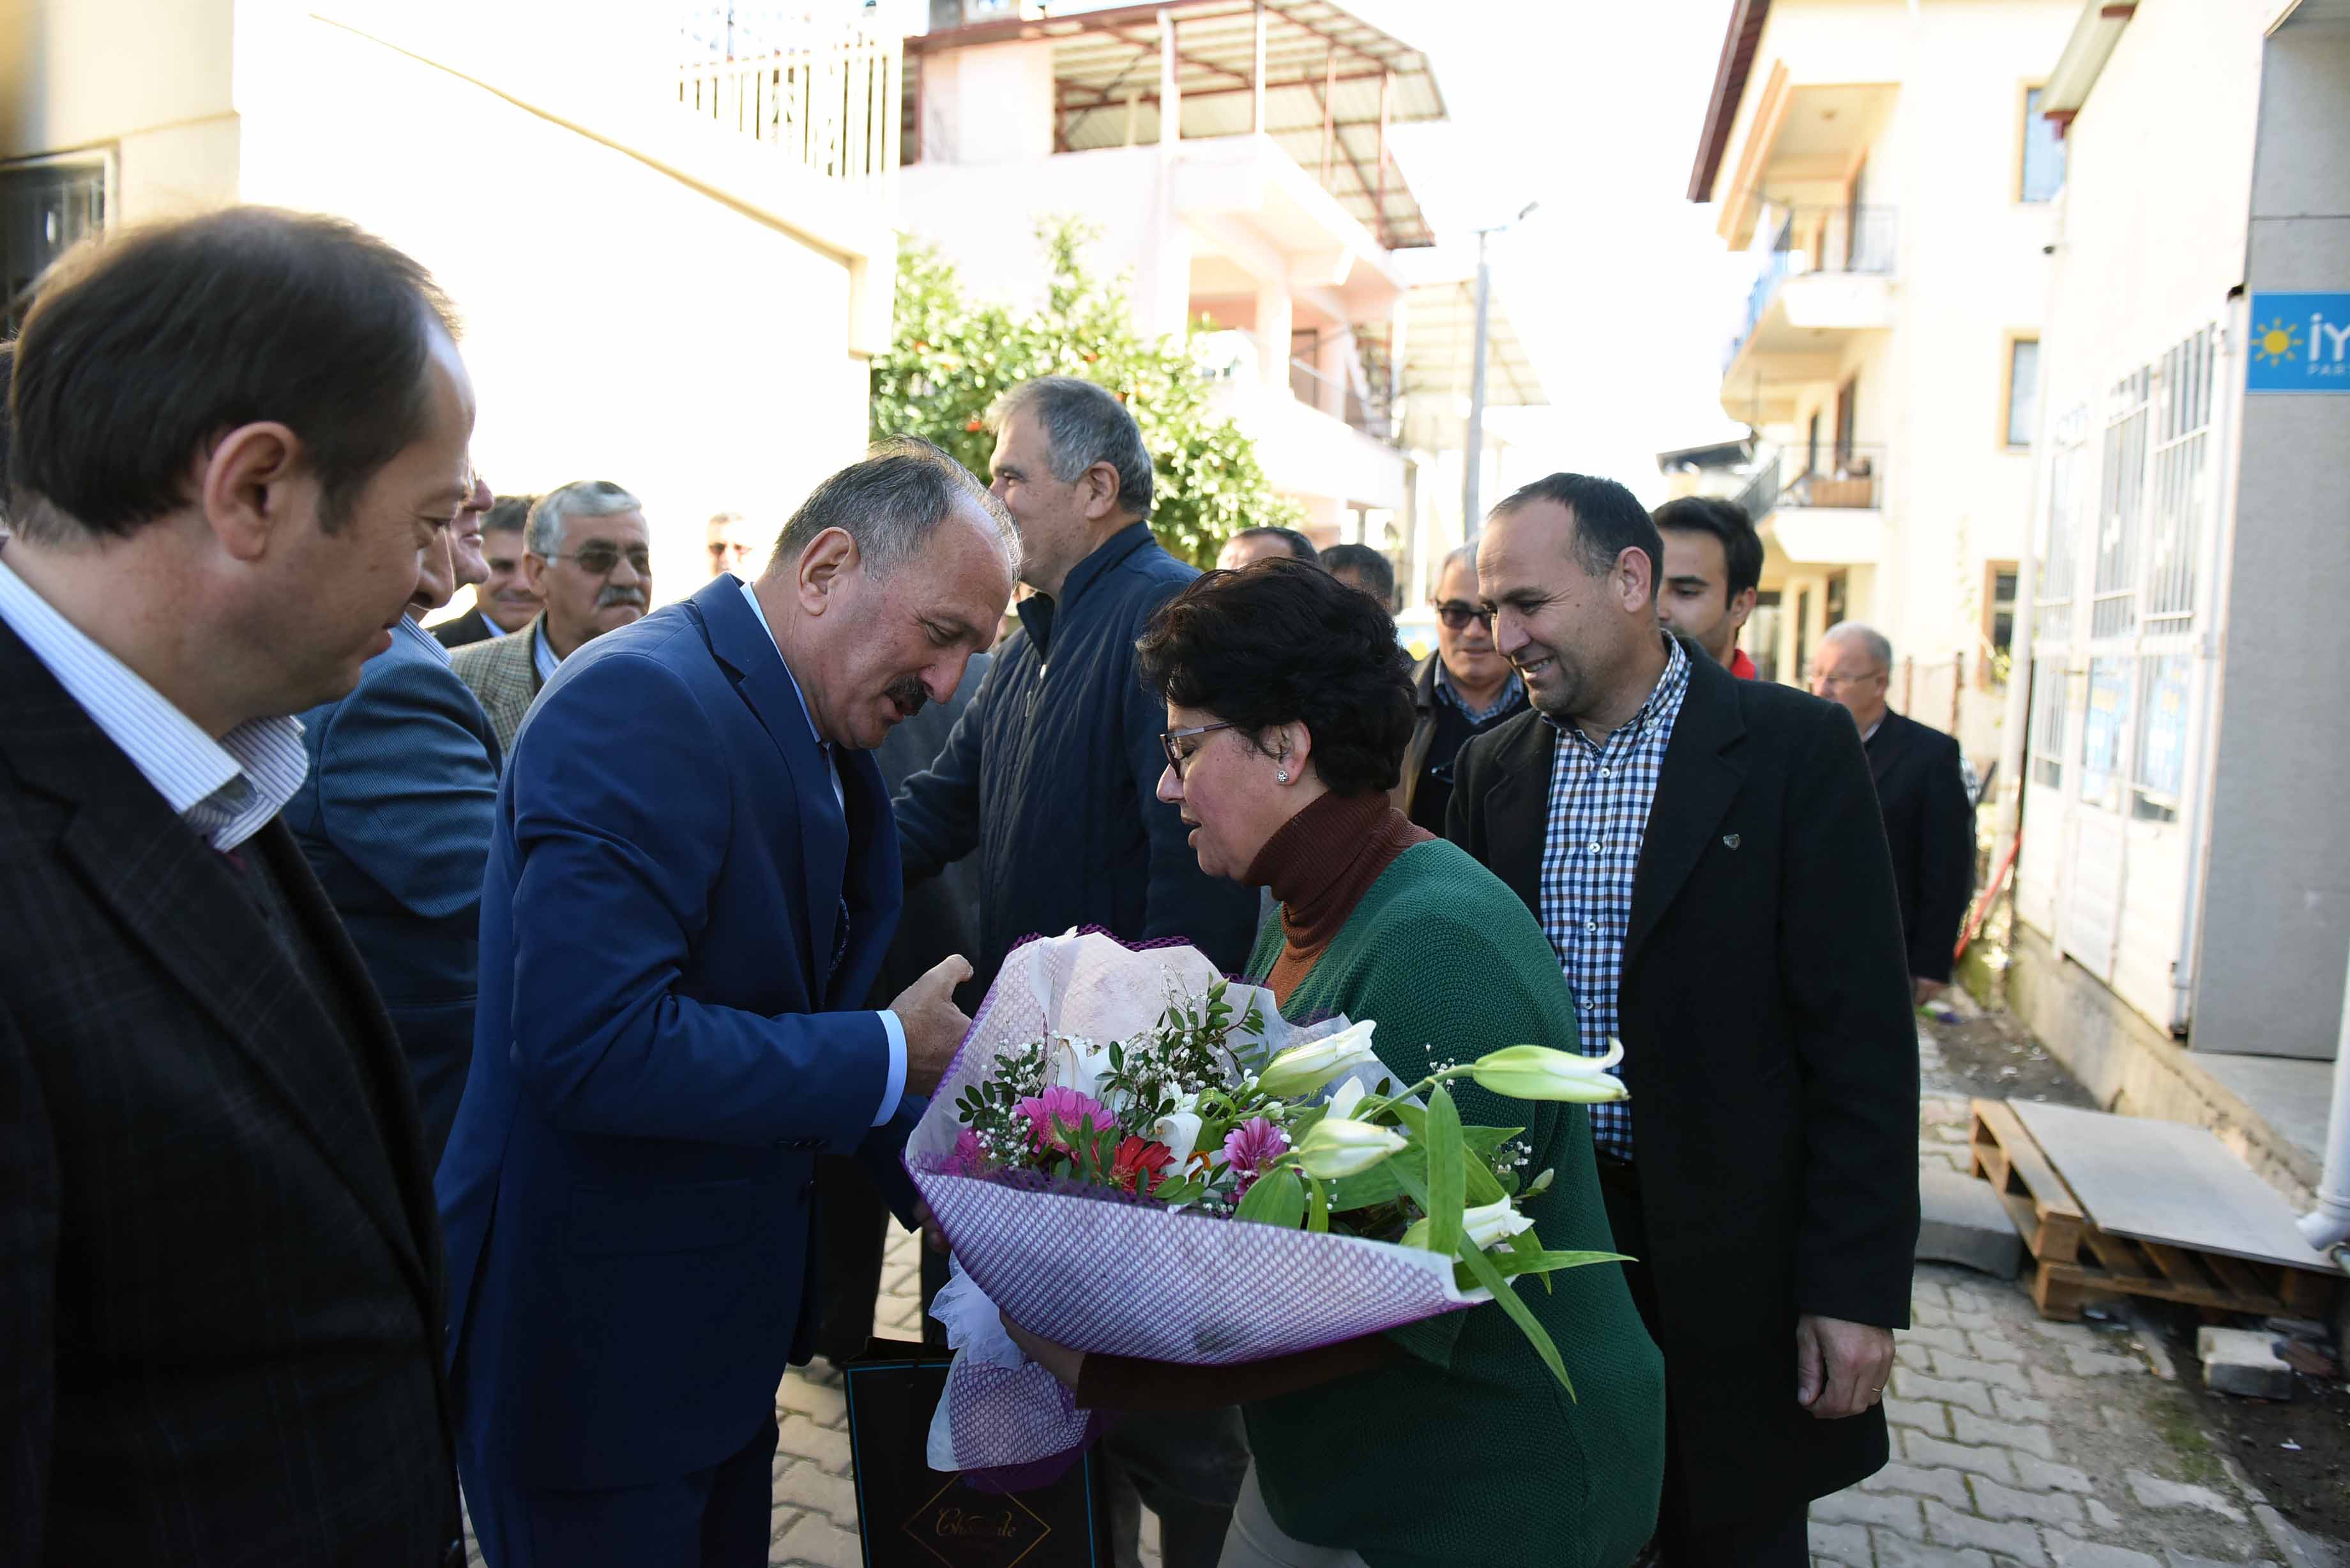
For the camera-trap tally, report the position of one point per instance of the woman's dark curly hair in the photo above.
(1281, 642)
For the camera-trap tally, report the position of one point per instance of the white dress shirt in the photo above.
(226, 790)
(541, 654)
(895, 1089)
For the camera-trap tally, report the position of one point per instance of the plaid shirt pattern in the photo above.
(1600, 794)
(1511, 696)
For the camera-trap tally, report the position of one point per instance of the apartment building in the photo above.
(2182, 884)
(672, 268)
(1886, 164)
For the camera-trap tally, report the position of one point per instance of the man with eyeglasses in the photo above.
(1463, 689)
(588, 556)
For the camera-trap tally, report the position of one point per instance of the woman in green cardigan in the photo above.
(1445, 1442)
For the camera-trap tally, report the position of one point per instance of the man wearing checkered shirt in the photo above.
(1706, 857)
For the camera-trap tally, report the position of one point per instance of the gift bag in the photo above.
(912, 1516)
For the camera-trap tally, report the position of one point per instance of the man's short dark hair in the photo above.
(890, 501)
(1297, 544)
(1084, 424)
(1608, 521)
(1376, 570)
(1281, 642)
(507, 513)
(1741, 547)
(144, 346)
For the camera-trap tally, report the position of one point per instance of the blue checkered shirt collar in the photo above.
(1600, 794)
(225, 790)
(1512, 694)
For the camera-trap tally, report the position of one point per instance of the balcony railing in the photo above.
(1852, 479)
(1818, 239)
(828, 103)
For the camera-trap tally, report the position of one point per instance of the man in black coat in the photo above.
(1704, 854)
(1929, 821)
(220, 1277)
(1051, 778)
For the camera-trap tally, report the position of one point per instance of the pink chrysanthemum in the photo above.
(1251, 1147)
(1070, 1106)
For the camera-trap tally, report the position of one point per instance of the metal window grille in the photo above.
(2060, 543)
(2121, 508)
(2048, 692)
(2183, 409)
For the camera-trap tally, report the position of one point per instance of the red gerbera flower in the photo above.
(1138, 1164)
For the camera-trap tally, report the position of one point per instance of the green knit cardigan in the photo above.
(1466, 1453)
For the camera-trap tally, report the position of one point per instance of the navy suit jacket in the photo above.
(394, 818)
(627, 1195)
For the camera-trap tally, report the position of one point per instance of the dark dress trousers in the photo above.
(1773, 1062)
(470, 627)
(220, 1273)
(394, 818)
(1930, 826)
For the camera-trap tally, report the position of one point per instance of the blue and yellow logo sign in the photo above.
(2299, 343)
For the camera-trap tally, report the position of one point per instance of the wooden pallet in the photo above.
(2076, 1260)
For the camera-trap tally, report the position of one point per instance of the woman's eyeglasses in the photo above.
(1176, 761)
(1456, 616)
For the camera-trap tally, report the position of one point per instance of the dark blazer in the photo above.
(470, 627)
(671, 916)
(941, 913)
(1930, 826)
(1772, 1057)
(394, 818)
(220, 1272)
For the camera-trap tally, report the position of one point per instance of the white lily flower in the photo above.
(1350, 1094)
(1485, 1226)
(1302, 1069)
(1539, 1072)
(1180, 1131)
(1074, 1061)
(1335, 1146)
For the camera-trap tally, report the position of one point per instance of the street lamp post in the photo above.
(1474, 459)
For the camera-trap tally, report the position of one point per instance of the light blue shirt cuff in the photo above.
(895, 1089)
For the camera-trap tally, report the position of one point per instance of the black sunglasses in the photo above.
(1457, 615)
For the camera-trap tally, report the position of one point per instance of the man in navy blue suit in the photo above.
(394, 819)
(693, 877)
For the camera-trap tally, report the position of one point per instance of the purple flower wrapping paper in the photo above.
(1127, 1278)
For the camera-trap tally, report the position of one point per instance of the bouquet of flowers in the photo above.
(1132, 1154)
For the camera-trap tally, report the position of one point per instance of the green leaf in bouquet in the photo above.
(1317, 1212)
(1303, 1121)
(1448, 1175)
(1275, 1199)
(1488, 1275)
(1383, 1183)
(1176, 1193)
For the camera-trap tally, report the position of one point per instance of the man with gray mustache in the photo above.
(586, 552)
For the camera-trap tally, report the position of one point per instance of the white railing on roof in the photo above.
(829, 103)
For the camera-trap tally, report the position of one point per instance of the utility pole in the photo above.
(1474, 459)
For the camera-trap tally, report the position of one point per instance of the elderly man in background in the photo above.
(678, 937)
(394, 818)
(1713, 559)
(588, 556)
(504, 601)
(1051, 778)
(1461, 689)
(1364, 569)
(237, 436)
(1922, 788)
(1252, 544)
(733, 544)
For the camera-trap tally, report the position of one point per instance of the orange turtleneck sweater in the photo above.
(1319, 864)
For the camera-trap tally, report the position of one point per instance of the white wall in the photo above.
(988, 105)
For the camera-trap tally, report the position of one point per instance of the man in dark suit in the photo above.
(504, 601)
(394, 818)
(221, 1286)
(940, 918)
(1702, 853)
(1929, 821)
(675, 929)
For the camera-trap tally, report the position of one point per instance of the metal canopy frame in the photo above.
(1324, 84)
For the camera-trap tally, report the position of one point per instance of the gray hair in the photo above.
(890, 503)
(1459, 556)
(1872, 641)
(1083, 425)
(551, 513)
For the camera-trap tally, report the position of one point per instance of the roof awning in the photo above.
(1439, 347)
(1332, 85)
